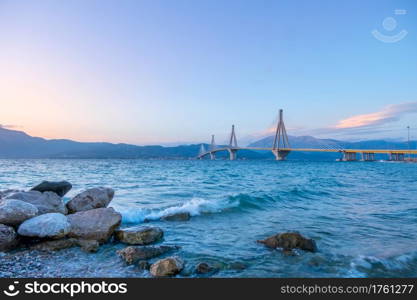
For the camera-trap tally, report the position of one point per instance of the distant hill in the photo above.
(17, 144)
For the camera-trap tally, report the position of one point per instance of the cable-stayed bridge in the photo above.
(281, 148)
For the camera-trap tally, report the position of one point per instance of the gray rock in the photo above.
(139, 235)
(99, 197)
(95, 224)
(14, 212)
(58, 187)
(88, 245)
(183, 216)
(4, 194)
(51, 225)
(55, 245)
(133, 254)
(167, 267)
(288, 241)
(8, 238)
(47, 202)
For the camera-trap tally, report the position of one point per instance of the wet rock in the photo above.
(99, 197)
(55, 245)
(8, 238)
(139, 235)
(51, 225)
(237, 266)
(183, 216)
(133, 254)
(143, 265)
(95, 224)
(88, 245)
(58, 187)
(14, 212)
(288, 241)
(203, 268)
(4, 194)
(47, 202)
(167, 267)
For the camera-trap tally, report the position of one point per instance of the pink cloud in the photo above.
(387, 114)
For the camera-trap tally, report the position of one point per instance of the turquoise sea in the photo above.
(363, 215)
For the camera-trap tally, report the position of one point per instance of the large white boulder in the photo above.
(51, 225)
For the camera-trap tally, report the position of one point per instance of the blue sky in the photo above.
(147, 72)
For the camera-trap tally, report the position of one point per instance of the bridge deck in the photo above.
(386, 151)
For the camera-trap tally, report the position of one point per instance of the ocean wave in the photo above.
(195, 207)
(404, 265)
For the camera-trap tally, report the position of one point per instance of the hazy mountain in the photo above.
(17, 144)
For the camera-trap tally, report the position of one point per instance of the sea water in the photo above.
(362, 215)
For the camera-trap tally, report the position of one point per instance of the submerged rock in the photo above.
(14, 212)
(58, 187)
(167, 267)
(143, 265)
(99, 197)
(8, 238)
(182, 216)
(203, 268)
(95, 224)
(47, 202)
(133, 254)
(51, 225)
(288, 241)
(139, 235)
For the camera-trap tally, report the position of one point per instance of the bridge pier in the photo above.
(212, 155)
(368, 156)
(396, 156)
(232, 154)
(280, 154)
(349, 156)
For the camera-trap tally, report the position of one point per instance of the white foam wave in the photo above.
(194, 207)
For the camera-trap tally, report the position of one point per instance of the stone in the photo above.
(288, 241)
(88, 245)
(169, 266)
(139, 235)
(51, 225)
(182, 216)
(95, 224)
(55, 245)
(5, 193)
(133, 254)
(8, 238)
(99, 197)
(237, 266)
(203, 268)
(58, 187)
(14, 212)
(47, 202)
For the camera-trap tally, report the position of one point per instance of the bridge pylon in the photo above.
(281, 144)
(213, 146)
(232, 144)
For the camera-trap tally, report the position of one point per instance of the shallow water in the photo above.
(362, 215)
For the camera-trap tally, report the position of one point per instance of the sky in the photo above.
(177, 71)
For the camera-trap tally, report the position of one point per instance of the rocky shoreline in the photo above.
(35, 224)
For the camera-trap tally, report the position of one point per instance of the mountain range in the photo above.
(18, 144)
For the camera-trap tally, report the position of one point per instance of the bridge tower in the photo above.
(212, 147)
(202, 151)
(232, 149)
(281, 145)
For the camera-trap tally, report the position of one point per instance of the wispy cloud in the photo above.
(388, 114)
